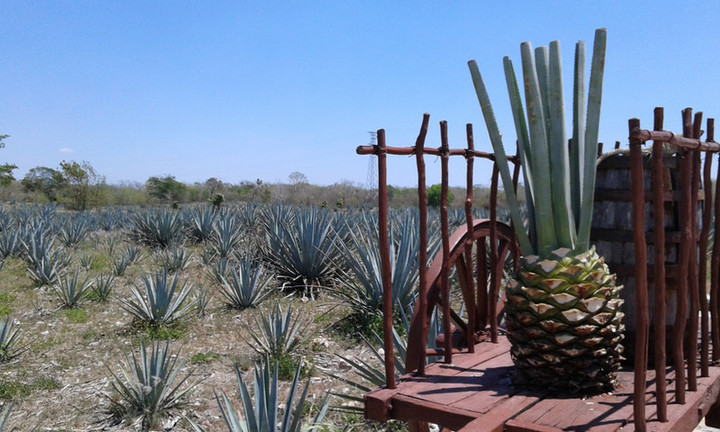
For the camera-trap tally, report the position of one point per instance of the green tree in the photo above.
(433, 195)
(6, 175)
(214, 186)
(82, 185)
(44, 180)
(165, 189)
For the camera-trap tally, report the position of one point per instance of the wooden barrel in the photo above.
(612, 233)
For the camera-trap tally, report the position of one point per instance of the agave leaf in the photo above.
(70, 291)
(261, 412)
(523, 142)
(544, 220)
(289, 412)
(577, 144)
(251, 421)
(561, 180)
(231, 418)
(5, 414)
(245, 286)
(558, 150)
(299, 246)
(148, 386)
(9, 340)
(591, 135)
(542, 66)
(500, 157)
(160, 305)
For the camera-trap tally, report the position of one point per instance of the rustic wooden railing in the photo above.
(696, 328)
(692, 261)
(381, 150)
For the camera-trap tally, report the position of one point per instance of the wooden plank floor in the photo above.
(475, 394)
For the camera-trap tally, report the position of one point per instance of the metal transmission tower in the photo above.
(371, 181)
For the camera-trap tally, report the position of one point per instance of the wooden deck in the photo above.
(475, 393)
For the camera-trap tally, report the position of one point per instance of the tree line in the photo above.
(78, 186)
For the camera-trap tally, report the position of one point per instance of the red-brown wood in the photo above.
(715, 278)
(444, 232)
(693, 281)
(658, 189)
(422, 207)
(482, 283)
(468, 289)
(475, 393)
(641, 310)
(676, 140)
(704, 239)
(481, 231)
(521, 426)
(385, 258)
(678, 331)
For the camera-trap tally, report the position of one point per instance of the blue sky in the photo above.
(243, 90)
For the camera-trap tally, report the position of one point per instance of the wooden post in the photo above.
(385, 258)
(693, 260)
(679, 325)
(702, 277)
(715, 263)
(469, 291)
(444, 275)
(641, 341)
(482, 284)
(422, 265)
(658, 190)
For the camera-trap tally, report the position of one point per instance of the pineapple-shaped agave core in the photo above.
(563, 307)
(564, 322)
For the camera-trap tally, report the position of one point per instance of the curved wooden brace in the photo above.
(458, 240)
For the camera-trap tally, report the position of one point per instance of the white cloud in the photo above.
(66, 150)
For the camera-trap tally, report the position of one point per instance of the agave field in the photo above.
(240, 317)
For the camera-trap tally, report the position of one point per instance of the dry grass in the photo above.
(61, 382)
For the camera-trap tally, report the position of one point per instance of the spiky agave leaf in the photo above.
(71, 291)
(173, 259)
(74, 231)
(158, 228)
(202, 221)
(277, 332)
(102, 287)
(372, 373)
(163, 302)
(5, 414)
(10, 244)
(227, 236)
(260, 413)
(132, 253)
(148, 386)
(244, 285)
(554, 182)
(300, 246)
(361, 254)
(9, 340)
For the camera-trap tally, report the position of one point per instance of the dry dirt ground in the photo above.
(62, 381)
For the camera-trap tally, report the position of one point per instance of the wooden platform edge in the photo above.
(408, 408)
(378, 405)
(698, 405)
(521, 426)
